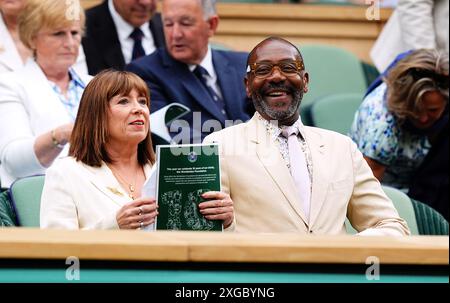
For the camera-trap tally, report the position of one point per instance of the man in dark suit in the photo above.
(209, 82)
(119, 31)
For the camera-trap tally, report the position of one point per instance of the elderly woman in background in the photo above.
(13, 53)
(402, 121)
(99, 186)
(39, 102)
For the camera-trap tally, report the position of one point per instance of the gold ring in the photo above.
(142, 224)
(140, 210)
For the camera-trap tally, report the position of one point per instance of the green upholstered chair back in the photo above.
(26, 200)
(336, 111)
(404, 207)
(421, 218)
(7, 216)
(429, 221)
(332, 70)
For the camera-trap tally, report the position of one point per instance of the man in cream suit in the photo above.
(312, 191)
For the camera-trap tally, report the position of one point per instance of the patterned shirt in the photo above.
(282, 142)
(74, 92)
(378, 136)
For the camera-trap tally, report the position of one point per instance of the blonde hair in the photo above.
(422, 71)
(90, 132)
(49, 14)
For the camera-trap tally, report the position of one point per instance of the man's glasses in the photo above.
(265, 69)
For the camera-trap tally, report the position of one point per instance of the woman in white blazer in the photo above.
(38, 102)
(13, 54)
(99, 185)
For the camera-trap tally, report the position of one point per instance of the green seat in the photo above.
(7, 216)
(429, 221)
(371, 73)
(26, 200)
(332, 70)
(336, 112)
(404, 207)
(421, 218)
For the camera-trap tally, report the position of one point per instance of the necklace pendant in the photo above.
(131, 187)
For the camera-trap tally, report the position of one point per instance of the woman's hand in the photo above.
(137, 214)
(219, 207)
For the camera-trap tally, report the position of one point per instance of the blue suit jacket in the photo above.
(172, 81)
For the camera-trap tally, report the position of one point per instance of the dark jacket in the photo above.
(101, 44)
(172, 81)
(430, 183)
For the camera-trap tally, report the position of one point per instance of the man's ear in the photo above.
(305, 82)
(213, 23)
(247, 89)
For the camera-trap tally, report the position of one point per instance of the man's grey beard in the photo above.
(262, 107)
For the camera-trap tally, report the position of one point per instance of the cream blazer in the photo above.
(78, 196)
(28, 108)
(265, 198)
(9, 56)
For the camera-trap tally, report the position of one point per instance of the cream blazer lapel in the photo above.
(9, 57)
(320, 183)
(271, 159)
(103, 180)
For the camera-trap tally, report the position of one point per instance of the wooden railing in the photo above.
(242, 25)
(22, 243)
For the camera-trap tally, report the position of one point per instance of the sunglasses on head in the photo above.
(442, 81)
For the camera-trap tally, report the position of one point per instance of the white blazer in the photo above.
(414, 24)
(78, 196)
(9, 56)
(10, 59)
(28, 108)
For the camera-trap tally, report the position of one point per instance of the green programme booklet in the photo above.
(184, 173)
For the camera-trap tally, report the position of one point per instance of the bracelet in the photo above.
(56, 142)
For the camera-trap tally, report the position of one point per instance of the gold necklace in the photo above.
(131, 187)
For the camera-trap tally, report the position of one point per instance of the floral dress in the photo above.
(378, 136)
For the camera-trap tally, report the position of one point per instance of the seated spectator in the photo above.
(405, 117)
(39, 102)
(13, 54)
(188, 71)
(119, 31)
(99, 186)
(287, 177)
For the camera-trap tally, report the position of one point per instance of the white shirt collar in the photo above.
(207, 64)
(275, 130)
(124, 29)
